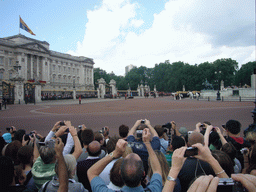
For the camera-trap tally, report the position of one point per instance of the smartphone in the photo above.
(191, 151)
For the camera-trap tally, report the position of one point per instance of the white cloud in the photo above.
(111, 37)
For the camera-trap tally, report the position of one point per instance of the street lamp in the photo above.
(218, 93)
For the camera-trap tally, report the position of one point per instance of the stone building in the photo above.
(25, 60)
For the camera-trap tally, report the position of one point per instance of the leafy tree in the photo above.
(243, 75)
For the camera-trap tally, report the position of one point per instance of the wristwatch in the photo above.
(112, 155)
(171, 178)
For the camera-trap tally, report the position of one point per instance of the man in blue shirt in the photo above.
(135, 140)
(131, 168)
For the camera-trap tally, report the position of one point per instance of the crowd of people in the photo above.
(142, 158)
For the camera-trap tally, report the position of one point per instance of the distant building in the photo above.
(128, 68)
(29, 60)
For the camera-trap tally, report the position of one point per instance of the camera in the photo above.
(67, 130)
(9, 129)
(244, 150)
(191, 151)
(228, 184)
(62, 123)
(202, 125)
(50, 143)
(80, 126)
(139, 133)
(167, 125)
(142, 121)
(224, 126)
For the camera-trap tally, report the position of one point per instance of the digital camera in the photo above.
(139, 134)
(229, 185)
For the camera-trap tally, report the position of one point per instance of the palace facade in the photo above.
(29, 60)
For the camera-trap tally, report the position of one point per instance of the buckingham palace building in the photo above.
(30, 71)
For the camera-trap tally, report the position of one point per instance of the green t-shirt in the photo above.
(42, 172)
(168, 157)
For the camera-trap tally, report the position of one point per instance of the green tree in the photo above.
(243, 75)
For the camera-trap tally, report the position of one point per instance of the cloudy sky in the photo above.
(116, 33)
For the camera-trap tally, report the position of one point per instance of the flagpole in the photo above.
(19, 24)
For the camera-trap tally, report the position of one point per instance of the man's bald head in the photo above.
(194, 138)
(132, 170)
(94, 148)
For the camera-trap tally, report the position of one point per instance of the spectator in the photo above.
(123, 131)
(116, 182)
(230, 150)
(2, 144)
(87, 136)
(94, 150)
(26, 158)
(110, 148)
(250, 161)
(201, 127)
(105, 132)
(11, 151)
(44, 167)
(164, 166)
(61, 169)
(233, 129)
(251, 137)
(137, 144)
(179, 161)
(193, 167)
(7, 176)
(100, 138)
(7, 137)
(131, 168)
(162, 137)
(53, 185)
(19, 135)
(177, 142)
(225, 161)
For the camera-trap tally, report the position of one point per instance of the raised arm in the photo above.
(98, 167)
(156, 167)
(174, 127)
(222, 138)
(207, 133)
(204, 154)
(78, 148)
(62, 168)
(152, 130)
(178, 160)
(133, 129)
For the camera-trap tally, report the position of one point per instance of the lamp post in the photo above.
(218, 93)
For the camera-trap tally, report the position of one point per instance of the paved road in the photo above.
(95, 113)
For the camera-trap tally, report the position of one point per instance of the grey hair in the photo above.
(70, 161)
(47, 154)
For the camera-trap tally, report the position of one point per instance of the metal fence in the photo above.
(240, 99)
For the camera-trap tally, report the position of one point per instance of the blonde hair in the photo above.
(164, 165)
(70, 161)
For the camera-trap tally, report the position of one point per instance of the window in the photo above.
(23, 60)
(1, 75)
(59, 68)
(1, 60)
(77, 71)
(10, 62)
(53, 67)
(64, 68)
